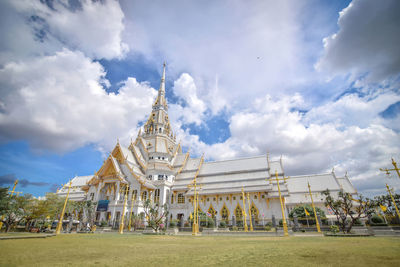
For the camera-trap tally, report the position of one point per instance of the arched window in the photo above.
(172, 198)
(144, 195)
(225, 213)
(134, 194)
(211, 210)
(254, 212)
(238, 213)
(157, 195)
(181, 198)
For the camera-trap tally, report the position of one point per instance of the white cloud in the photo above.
(353, 109)
(250, 48)
(59, 103)
(367, 41)
(93, 27)
(193, 108)
(273, 125)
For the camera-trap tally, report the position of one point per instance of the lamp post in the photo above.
(121, 225)
(285, 228)
(244, 212)
(59, 225)
(387, 171)
(250, 217)
(315, 213)
(394, 202)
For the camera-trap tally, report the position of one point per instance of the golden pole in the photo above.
(12, 192)
(395, 167)
(15, 185)
(121, 225)
(194, 227)
(394, 202)
(197, 213)
(285, 229)
(315, 213)
(248, 202)
(130, 215)
(59, 226)
(394, 163)
(244, 213)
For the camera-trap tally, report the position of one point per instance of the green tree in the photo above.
(155, 213)
(390, 212)
(347, 209)
(12, 210)
(301, 214)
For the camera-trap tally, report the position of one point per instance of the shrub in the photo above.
(210, 223)
(235, 228)
(358, 222)
(103, 224)
(334, 229)
(267, 228)
(376, 219)
(269, 224)
(172, 223)
(222, 224)
(280, 223)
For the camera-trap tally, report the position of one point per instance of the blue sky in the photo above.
(314, 81)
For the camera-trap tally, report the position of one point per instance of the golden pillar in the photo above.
(59, 226)
(315, 213)
(394, 202)
(121, 225)
(130, 214)
(396, 169)
(285, 228)
(244, 212)
(248, 203)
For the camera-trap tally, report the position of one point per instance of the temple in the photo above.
(154, 166)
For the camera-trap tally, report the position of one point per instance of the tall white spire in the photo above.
(161, 91)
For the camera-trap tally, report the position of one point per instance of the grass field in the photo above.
(151, 250)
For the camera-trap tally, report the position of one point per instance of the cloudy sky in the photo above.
(317, 82)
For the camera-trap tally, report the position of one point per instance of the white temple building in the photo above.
(154, 166)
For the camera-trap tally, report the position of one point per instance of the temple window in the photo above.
(234, 198)
(181, 198)
(157, 195)
(144, 195)
(238, 212)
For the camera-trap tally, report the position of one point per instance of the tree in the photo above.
(302, 216)
(347, 209)
(390, 212)
(136, 220)
(12, 210)
(155, 213)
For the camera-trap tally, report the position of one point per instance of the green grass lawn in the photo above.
(151, 250)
